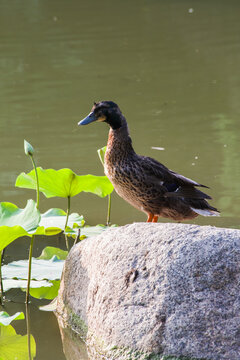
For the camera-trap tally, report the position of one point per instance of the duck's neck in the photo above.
(119, 141)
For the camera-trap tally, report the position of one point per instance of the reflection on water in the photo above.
(171, 66)
(44, 328)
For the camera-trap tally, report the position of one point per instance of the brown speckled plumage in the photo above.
(142, 181)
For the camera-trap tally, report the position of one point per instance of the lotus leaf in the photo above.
(89, 231)
(49, 251)
(16, 222)
(9, 234)
(41, 269)
(49, 292)
(57, 217)
(64, 183)
(28, 218)
(22, 284)
(14, 346)
(6, 319)
(52, 306)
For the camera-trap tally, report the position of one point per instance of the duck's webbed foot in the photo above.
(152, 218)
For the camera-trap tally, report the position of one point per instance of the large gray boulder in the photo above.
(163, 289)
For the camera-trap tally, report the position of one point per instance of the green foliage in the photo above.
(9, 234)
(50, 251)
(42, 269)
(57, 217)
(16, 273)
(9, 283)
(28, 218)
(64, 183)
(89, 231)
(101, 154)
(49, 292)
(15, 222)
(6, 319)
(52, 306)
(48, 266)
(44, 276)
(48, 231)
(14, 346)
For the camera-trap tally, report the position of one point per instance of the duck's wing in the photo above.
(185, 180)
(174, 184)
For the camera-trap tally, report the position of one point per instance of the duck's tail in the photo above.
(206, 212)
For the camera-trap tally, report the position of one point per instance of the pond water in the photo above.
(173, 68)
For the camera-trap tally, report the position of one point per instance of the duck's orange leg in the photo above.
(150, 217)
(155, 218)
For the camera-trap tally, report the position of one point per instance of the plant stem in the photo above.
(109, 209)
(28, 332)
(1, 283)
(67, 216)
(29, 268)
(37, 181)
(32, 239)
(77, 237)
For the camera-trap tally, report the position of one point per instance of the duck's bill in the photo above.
(90, 118)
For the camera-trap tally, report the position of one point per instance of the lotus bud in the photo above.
(101, 154)
(29, 150)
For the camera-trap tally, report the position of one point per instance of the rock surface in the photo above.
(167, 289)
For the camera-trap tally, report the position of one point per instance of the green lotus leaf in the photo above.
(54, 212)
(6, 319)
(22, 284)
(49, 251)
(89, 231)
(57, 217)
(28, 218)
(64, 183)
(48, 231)
(41, 269)
(52, 306)
(15, 222)
(9, 234)
(14, 346)
(48, 293)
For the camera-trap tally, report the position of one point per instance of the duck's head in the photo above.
(104, 111)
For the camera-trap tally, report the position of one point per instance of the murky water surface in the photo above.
(173, 68)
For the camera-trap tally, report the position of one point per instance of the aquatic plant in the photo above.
(29, 151)
(12, 343)
(16, 222)
(66, 184)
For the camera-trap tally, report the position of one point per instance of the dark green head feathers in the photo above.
(105, 111)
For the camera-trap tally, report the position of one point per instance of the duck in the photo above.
(142, 181)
